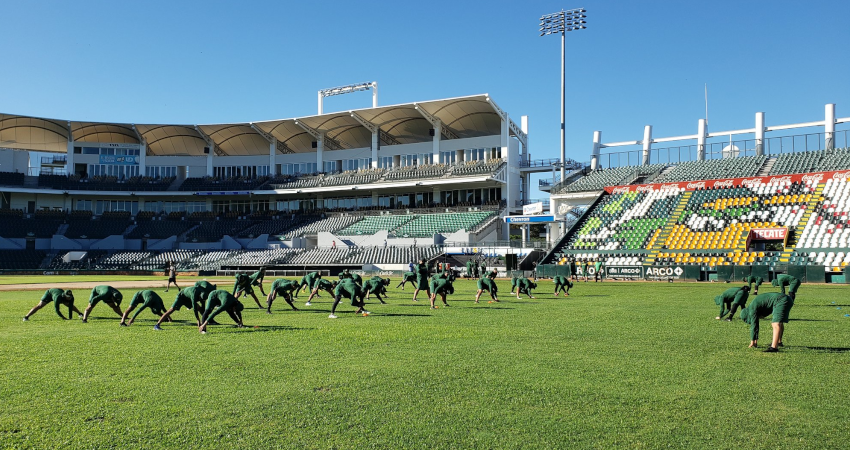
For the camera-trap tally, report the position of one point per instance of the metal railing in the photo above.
(719, 149)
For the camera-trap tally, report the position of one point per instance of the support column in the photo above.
(647, 144)
(523, 120)
(320, 148)
(209, 162)
(143, 154)
(438, 132)
(375, 143)
(272, 152)
(829, 126)
(524, 229)
(701, 134)
(69, 159)
(594, 156)
(512, 169)
(759, 133)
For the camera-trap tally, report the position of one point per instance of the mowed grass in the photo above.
(47, 279)
(626, 365)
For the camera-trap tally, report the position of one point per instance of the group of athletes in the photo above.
(775, 304)
(207, 301)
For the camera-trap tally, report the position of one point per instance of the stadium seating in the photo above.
(477, 167)
(274, 227)
(817, 161)
(11, 179)
(599, 179)
(159, 262)
(373, 224)
(12, 227)
(428, 224)
(829, 226)
(214, 230)
(330, 224)
(121, 260)
(323, 255)
(417, 172)
(21, 259)
(391, 255)
(159, 229)
(746, 166)
(87, 262)
(353, 177)
(215, 184)
(95, 229)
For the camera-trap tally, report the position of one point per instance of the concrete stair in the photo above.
(661, 236)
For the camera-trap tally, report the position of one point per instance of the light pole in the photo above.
(561, 22)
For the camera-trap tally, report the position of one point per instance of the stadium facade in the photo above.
(416, 175)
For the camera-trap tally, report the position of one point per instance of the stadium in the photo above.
(443, 284)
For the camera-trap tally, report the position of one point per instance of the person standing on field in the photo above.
(58, 297)
(172, 275)
(597, 276)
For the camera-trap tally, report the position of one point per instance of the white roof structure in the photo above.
(460, 117)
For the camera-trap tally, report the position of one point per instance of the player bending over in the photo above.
(352, 291)
(284, 288)
(192, 298)
(524, 285)
(775, 304)
(309, 281)
(147, 299)
(562, 283)
(730, 300)
(783, 280)
(751, 280)
(243, 286)
(58, 297)
(218, 301)
(407, 277)
(105, 294)
(377, 287)
(322, 285)
(487, 284)
(441, 286)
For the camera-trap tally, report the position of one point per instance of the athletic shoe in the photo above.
(780, 344)
(332, 316)
(728, 319)
(123, 324)
(157, 328)
(307, 304)
(366, 312)
(203, 332)
(771, 350)
(84, 320)
(26, 319)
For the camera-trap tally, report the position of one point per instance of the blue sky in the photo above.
(638, 63)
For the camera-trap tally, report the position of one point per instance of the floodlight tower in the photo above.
(561, 22)
(373, 85)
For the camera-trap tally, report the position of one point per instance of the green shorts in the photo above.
(421, 283)
(182, 302)
(781, 310)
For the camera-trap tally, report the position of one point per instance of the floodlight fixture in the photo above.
(561, 22)
(340, 90)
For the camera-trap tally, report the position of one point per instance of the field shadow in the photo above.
(809, 320)
(276, 328)
(826, 349)
(403, 315)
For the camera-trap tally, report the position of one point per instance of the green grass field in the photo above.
(628, 365)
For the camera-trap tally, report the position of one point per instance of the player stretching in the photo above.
(106, 294)
(58, 297)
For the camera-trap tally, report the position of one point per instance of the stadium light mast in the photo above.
(561, 22)
(373, 85)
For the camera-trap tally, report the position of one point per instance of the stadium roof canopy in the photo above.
(460, 117)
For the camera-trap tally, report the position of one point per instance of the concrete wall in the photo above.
(15, 160)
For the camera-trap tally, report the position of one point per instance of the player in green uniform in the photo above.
(257, 279)
(524, 285)
(345, 274)
(106, 294)
(147, 299)
(441, 286)
(58, 297)
(352, 291)
(483, 267)
(357, 279)
(322, 285)
(242, 285)
(573, 270)
(487, 284)
(309, 280)
(377, 287)
(218, 301)
(284, 288)
(205, 286)
(773, 303)
(783, 280)
(562, 283)
(469, 270)
(751, 280)
(584, 266)
(422, 274)
(191, 298)
(407, 277)
(597, 266)
(730, 300)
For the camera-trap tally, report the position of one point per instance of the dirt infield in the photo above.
(116, 284)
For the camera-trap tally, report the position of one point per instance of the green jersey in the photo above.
(57, 296)
(772, 303)
(734, 297)
(106, 294)
(487, 284)
(190, 298)
(148, 299)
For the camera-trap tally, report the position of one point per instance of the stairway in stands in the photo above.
(785, 256)
(660, 237)
(765, 169)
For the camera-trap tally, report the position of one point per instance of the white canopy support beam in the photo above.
(320, 144)
(435, 122)
(213, 150)
(385, 137)
(143, 151)
(272, 147)
(69, 155)
(517, 132)
(376, 132)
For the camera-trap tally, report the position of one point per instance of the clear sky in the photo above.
(637, 63)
